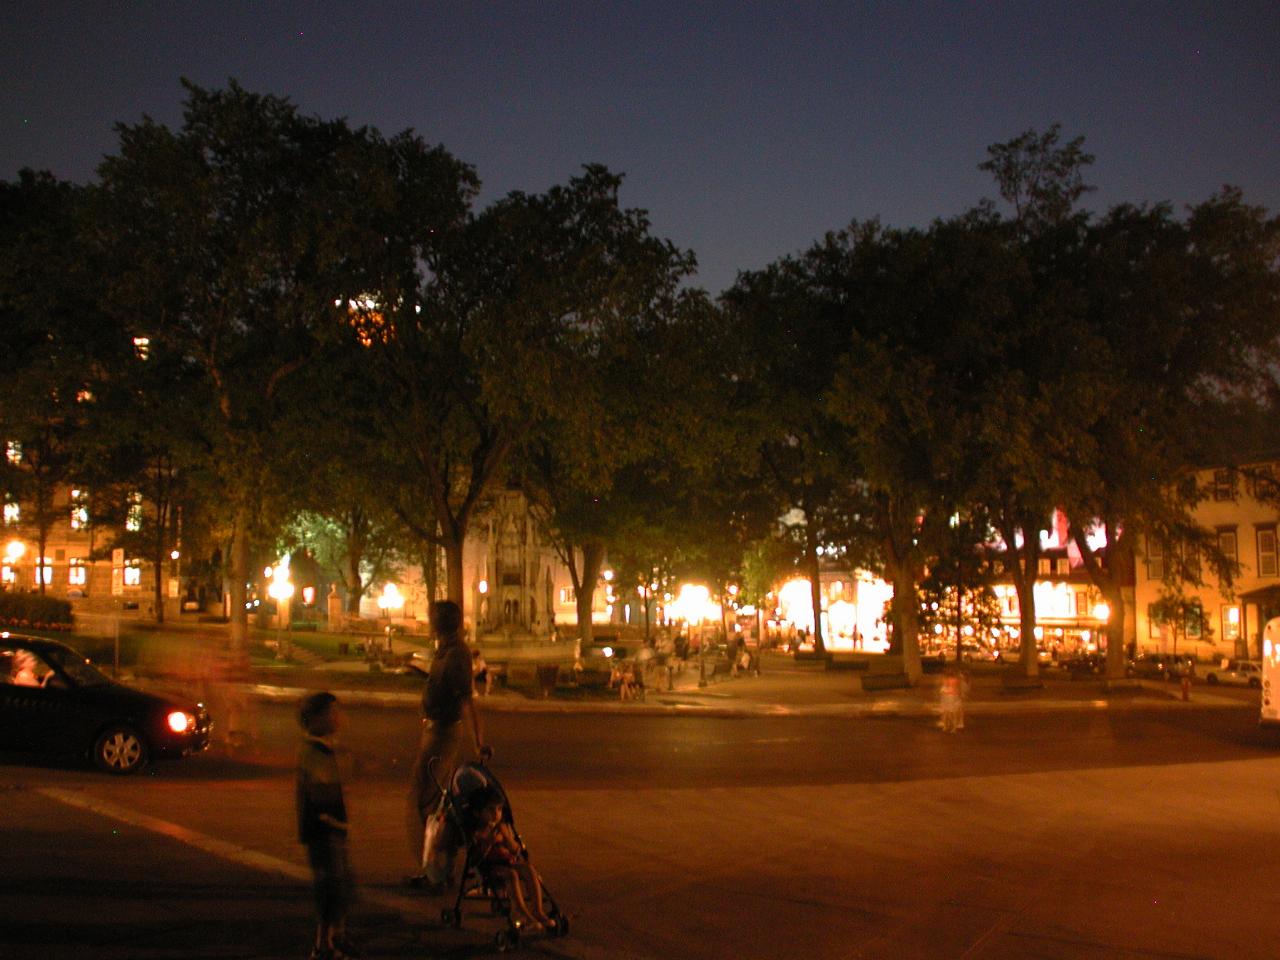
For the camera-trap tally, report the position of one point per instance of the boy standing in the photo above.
(322, 824)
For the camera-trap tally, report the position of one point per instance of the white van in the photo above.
(1271, 674)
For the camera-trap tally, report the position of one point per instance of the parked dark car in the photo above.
(1162, 666)
(1084, 662)
(54, 701)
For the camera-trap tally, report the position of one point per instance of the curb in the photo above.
(683, 704)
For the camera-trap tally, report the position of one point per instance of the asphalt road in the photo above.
(1141, 833)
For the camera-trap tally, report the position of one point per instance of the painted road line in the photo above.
(231, 852)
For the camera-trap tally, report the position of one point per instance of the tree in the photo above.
(1182, 320)
(56, 342)
(235, 237)
(498, 338)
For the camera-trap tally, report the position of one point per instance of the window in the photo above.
(1064, 567)
(133, 518)
(1082, 604)
(1266, 551)
(79, 509)
(1044, 567)
(77, 572)
(1262, 483)
(12, 513)
(1152, 626)
(44, 571)
(142, 347)
(1231, 623)
(1155, 559)
(1224, 485)
(13, 451)
(133, 573)
(1227, 542)
(7, 574)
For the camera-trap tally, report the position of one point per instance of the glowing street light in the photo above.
(14, 550)
(1101, 612)
(390, 599)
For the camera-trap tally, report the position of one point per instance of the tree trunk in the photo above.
(42, 538)
(815, 584)
(453, 570)
(905, 607)
(592, 562)
(1107, 577)
(354, 584)
(431, 571)
(239, 575)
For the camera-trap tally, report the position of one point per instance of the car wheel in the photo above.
(1255, 683)
(120, 750)
(1212, 679)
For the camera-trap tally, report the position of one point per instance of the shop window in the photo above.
(1155, 559)
(1266, 551)
(7, 574)
(44, 571)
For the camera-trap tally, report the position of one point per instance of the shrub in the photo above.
(32, 611)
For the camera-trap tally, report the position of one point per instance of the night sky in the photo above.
(746, 129)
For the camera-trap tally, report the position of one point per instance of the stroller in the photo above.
(479, 881)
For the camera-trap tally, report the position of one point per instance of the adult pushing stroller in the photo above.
(485, 877)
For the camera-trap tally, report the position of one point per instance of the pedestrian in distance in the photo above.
(480, 672)
(951, 700)
(322, 824)
(447, 700)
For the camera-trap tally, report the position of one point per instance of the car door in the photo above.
(39, 715)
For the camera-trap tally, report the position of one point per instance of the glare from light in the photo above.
(390, 598)
(483, 586)
(1101, 612)
(14, 549)
(180, 722)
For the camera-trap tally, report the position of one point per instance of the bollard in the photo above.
(1186, 688)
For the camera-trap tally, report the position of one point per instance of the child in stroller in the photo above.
(497, 866)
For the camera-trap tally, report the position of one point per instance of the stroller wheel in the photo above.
(506, 940)
(450, 917)
(495, 906)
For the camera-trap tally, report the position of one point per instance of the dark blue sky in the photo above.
(746, 129)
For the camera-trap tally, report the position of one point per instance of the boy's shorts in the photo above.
(331, 877)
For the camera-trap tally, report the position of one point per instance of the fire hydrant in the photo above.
(1186, 688)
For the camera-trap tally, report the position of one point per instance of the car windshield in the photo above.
(81, 671)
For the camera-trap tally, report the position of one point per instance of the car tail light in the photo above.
(180, 722)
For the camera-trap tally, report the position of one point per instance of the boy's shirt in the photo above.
(319, 791)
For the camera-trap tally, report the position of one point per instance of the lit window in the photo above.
(79, 509)
(1064, 567)
(1231, 623)
(1044, 567)
(13, 451)
(44, 572)
(133, 519)
(133, 573)
(77, 572)
(142, 347)
(84, 396)
(11, 514)
(7, 575)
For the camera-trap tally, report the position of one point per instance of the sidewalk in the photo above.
(785, 688)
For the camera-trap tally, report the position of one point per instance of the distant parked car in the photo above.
(1084, 662)
(1242, 673)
